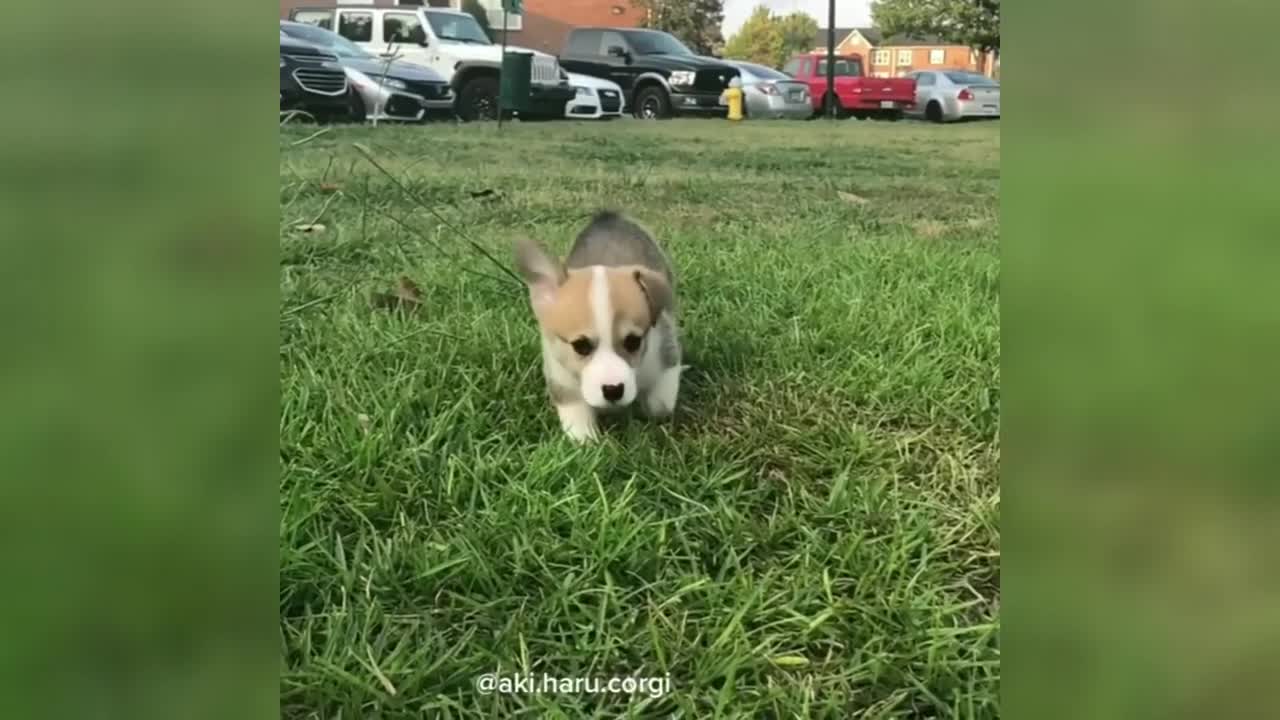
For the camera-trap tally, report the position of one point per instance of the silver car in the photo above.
(947, 95)
(769, 93)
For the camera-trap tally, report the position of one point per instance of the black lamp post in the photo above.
(831, 59)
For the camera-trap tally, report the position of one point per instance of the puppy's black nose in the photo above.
(612, 393)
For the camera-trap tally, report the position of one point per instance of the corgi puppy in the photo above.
(608, 322)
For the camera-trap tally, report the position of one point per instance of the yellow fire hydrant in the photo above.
(733, 98)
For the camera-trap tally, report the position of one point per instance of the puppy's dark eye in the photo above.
(583, 346)
(631, 342)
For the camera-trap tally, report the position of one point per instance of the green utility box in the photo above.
(517, 67)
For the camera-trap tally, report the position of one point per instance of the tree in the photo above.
(975, 23)
(759, 40)
(477, 11)
(769, 40)
(798, 31)
(695, 22)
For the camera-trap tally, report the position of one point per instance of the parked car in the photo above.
(946, 95)
(390, 89)
(595, 98)
(769, 93)
(659, 76)
(450, 42)
(855, 93)
(313, 82)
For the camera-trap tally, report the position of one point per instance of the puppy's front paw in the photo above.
(660, 401)
(579, 422)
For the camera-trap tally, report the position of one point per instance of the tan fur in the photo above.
(569, 317)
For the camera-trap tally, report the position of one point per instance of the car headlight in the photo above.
(682, 77)
(582, 91)
(390, 82)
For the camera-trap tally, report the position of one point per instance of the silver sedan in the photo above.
(769, 93)
(946, 95)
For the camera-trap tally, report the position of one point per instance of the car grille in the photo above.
(319, 59)
(544, 71)
(322, 82)
(713, 81)
(610, 101)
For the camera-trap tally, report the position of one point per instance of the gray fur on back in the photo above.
(612, 240)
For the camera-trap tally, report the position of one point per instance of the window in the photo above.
(968, 78)
(398, 27)
(760, 72)
(845, 67)
(926, 79)
(610, 39)
(493, 8)
(807, 68)
(937, 57)
(656, 42)
(584, 42)
(904, 57)
(792, 67)
(882, 57)
(319, 18)
(456, 27)
(356, 26)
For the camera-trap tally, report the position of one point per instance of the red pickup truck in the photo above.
(856, 94)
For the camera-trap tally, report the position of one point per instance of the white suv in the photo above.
(450, 42)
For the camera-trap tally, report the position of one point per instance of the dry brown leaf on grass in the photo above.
(406, 296)
(852, 198)
(328, 187)
(930, 228)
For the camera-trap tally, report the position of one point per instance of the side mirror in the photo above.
(419, 36)
(618, 51)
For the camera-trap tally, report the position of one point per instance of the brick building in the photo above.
(899, 55)
(544, 25)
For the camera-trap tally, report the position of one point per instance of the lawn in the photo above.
(815, 534)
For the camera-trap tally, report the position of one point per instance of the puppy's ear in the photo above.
(542, 273)
(657, 292)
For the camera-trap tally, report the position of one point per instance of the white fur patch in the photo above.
(605, 366)
(578, 421)
(660, 400)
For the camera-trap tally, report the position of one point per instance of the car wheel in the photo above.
(652, 104)
(479, 99)
(933, 113)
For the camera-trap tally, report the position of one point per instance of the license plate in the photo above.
(888, 104)
(794, 96)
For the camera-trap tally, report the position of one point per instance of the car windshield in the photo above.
(966, 78)
(762, 72)
(457, 27)
(656, 43)
(845, 67)
(326, 39)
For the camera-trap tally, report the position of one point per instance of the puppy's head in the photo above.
(595, 320)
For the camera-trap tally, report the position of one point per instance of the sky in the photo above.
(849, 13)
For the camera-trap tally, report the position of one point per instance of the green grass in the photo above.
(814, 535)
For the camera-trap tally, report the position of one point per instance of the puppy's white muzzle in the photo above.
(608, 381)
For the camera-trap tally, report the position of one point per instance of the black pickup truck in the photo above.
(658, 74)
